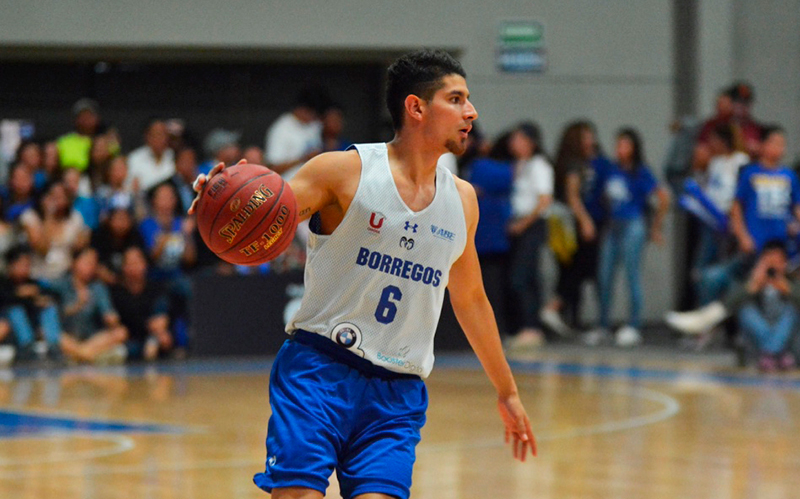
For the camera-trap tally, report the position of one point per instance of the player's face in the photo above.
(452, 114)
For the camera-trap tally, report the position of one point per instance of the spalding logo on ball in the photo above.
(247, 214)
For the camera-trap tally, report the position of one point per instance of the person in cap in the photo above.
(221, 146)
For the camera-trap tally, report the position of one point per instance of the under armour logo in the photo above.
(412, 227)
(406, 242)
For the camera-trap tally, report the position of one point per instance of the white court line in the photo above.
(121, 444)
(670, 407)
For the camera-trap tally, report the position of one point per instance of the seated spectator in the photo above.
(152, 163)
(54, 231)
(296, 136)
(79, 190)
(142, 308)
(51, 165)
(169, 241)
(332, 128)
(185, 173)
(766, 306)
(19, 195)
(114, 192)
(29, 155)
(28, 306)
(115, 235)
(627, 188)
(74, 148)
(104, 149)
(167, 234)
(8, 237)
(221, 146)
(93, 332)
(254, 155)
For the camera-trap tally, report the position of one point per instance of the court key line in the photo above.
(670, 407)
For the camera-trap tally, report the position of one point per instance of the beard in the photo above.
(456, 147)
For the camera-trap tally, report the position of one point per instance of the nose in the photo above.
(470, 113)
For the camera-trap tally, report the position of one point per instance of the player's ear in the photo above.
(414, 107)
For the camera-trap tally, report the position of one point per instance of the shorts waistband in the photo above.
(341, 355)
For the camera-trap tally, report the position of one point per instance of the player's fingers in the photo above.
(242, 161)
(191, 209)
(217, 168)
(197, 186)
(531, 438)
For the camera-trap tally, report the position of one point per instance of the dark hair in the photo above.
(417, 73)
(18, 251)
(151, 194)
(534, 134)
(638, 149)
(725, 133)
(767, 130)
(774, 244)
(741, 91)
(315, 98)
(570, 151)
(499, 149)
(49, 186)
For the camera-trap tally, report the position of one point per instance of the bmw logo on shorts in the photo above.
(348, 336)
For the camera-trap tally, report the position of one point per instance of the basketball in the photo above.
(247, 214)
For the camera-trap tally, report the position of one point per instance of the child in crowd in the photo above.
(28, 306)
(115, 235)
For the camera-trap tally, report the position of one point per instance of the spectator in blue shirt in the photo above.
(627, 188)
(767, 197)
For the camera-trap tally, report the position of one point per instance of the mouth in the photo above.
(465, 131)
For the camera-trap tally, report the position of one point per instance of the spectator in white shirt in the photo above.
(296, 136)
(154, 162)
(531, 195)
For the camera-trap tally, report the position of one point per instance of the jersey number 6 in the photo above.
(387, 307)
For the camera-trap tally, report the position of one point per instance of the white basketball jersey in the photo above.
(376, 285)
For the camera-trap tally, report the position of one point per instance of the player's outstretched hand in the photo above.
(518, 427)
(202, 179)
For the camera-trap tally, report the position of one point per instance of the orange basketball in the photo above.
(247, 214)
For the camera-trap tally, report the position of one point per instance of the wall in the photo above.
(610, 61)
(766, 52)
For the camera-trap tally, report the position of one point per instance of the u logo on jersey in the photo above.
(348, 336)
(376, 220)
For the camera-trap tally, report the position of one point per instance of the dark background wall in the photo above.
(239, 96)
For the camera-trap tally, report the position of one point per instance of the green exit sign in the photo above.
(518, 34)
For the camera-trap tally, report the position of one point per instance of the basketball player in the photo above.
(390, 232)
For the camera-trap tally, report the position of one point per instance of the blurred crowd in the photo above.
(97, 249)
(98, 252)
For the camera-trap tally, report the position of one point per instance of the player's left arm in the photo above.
(475, 315)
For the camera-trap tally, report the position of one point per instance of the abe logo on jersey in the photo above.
(442, 233)
(348, 336)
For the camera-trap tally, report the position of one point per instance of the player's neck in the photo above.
(413, 157)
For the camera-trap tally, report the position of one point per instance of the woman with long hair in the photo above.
(531, 195)
(579, 168)
(626, 189)
(55, 230)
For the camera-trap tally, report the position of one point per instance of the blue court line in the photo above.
(203, 367)
(17, 424)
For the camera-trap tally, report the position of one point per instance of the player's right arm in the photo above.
(326, 183)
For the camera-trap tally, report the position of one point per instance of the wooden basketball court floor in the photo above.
(609, 426)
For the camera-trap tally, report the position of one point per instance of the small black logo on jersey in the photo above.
(406, 242)
(411, 227)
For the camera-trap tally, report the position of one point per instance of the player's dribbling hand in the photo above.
(518, 427)
(202, 179)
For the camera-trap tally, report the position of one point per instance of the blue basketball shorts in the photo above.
(328, 415)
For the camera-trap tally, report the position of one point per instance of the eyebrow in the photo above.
(459, 93)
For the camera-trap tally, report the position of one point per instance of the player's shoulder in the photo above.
(469, 199)
(335, 163)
